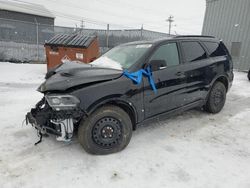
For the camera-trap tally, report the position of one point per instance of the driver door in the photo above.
(169, 79)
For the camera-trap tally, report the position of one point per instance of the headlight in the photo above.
(62, 102)
(41, 88)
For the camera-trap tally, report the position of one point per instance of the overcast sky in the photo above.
(188, 14)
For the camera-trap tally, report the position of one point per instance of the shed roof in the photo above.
(77, 40)
(26, 8)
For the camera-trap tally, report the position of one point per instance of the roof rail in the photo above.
(201, 36)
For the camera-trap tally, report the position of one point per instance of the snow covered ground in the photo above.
(194, 149)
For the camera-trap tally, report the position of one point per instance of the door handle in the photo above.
(161, 68)
(212, 65)
(179, 74)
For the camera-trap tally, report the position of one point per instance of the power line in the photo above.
(59, 14)
(105, 12)
(151, 11)
(80, 8)
(67, 16)
(86, 20)
(108, 13)
(74, 17)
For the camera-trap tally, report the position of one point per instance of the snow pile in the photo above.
(194, 149)
(22, 73)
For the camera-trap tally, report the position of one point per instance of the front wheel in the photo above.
(216, 98)
(107, 130)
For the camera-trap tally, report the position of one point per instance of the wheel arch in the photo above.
(223, 79)
(123, 104)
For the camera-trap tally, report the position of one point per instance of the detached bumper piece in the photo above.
(50, 122)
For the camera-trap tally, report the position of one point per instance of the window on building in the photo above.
(235, 49)
(193, 51)
(215, 49)
(167, 52)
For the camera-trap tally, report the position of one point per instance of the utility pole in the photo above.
(81, 26)
(141, 31)
(37, 40)
(170, 20)
(107, 42)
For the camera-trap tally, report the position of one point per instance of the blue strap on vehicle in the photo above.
(136, 77)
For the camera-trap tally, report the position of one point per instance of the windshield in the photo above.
(122, 57)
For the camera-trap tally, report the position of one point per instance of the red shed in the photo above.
(72, 47)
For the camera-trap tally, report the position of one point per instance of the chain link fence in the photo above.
(23, 41)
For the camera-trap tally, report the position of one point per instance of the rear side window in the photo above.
(215, 49)
(193, 51)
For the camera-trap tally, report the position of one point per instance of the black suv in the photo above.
(129, 85)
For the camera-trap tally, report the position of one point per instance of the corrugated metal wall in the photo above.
(230, 21)
(5, 14)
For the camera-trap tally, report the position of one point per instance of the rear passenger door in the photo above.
(198, 69)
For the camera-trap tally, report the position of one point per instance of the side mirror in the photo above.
(157, 65)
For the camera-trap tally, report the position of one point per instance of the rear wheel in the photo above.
(216, 98)
(107, 130)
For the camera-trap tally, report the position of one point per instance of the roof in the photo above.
(194, 36)
(26, 8)
(197, 37)
(173, 38)
(77, 40)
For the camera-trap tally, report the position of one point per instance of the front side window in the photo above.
(168, 53)
(193, 51)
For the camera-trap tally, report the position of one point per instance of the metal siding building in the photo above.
(32, 13)
(229, 20)
(25, 21)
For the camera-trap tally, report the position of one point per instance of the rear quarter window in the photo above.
(215, 49)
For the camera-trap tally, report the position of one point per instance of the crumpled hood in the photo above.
(71, 74)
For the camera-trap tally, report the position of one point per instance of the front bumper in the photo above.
(30, 119)
(47, 121)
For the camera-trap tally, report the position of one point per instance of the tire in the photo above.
(216, 98)
(107, 130)
(248, 75)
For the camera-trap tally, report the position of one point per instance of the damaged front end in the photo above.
(59, 111)
(57, 115)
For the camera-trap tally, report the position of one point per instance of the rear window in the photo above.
(193, 51)
(215, 49)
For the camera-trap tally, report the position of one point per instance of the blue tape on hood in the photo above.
(137, 77)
